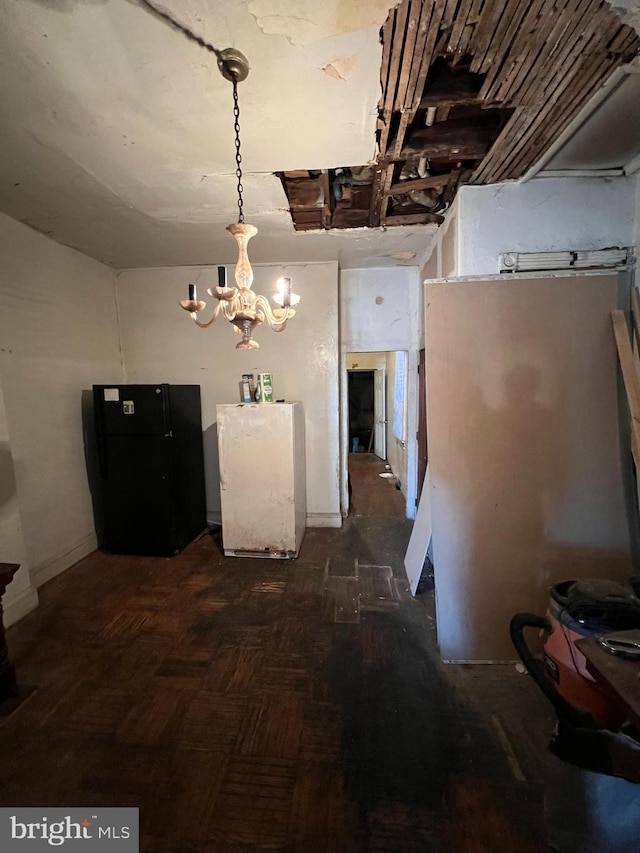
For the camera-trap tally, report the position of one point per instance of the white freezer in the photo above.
(262, 478)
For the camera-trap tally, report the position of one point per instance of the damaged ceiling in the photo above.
(117, 131)
(473, 91)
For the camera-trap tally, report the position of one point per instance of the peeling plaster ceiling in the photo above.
(117, 131)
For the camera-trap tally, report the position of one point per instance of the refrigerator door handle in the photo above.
(223, 481)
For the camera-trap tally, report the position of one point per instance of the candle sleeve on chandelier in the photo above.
(286, 292)
(192, 293)
(283, 297)
(222, 276)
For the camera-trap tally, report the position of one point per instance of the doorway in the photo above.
(367, 415)
(375, 433)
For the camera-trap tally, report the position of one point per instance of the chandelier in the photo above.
(240, 305)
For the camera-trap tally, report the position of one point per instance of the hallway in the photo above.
(372, 495)
(253, 705)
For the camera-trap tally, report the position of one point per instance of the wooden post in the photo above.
(630, 377)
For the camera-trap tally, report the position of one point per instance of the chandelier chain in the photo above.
(167, 18)
(236, 127)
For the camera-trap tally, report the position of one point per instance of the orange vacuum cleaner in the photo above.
(577, 609)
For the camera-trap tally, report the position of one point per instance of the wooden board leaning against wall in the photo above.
(523, 449)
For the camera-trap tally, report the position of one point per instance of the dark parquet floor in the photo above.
(373, 495)
(253, 705)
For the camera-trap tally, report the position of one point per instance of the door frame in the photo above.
(380, 417)
(423, 448)
(412, 426)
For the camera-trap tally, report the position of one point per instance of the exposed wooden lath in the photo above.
(542, 59)
(473, 91)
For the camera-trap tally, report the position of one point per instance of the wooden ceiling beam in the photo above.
(381, 184)
(384, 189)
(415, 219)
(437, 182)
(451, 90)
(461, 138)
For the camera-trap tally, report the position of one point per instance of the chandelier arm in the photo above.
(271, 318)
(210, 322)
(229, 310)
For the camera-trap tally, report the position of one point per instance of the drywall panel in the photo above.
(380, 311)
(543, 215)
(523, 450)
(58, 335)
(418, 546)
(162, 344)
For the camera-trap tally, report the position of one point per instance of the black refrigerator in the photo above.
(149, 442)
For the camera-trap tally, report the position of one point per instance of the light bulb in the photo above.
(283, 296)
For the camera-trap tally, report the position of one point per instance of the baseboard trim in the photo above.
(46, 571)
(20, 606)
(324, 519)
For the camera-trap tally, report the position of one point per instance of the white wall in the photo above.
(440, 259)
(379, 311)
(162, 344)
(58, 336)
(543, 215)
(20, 597)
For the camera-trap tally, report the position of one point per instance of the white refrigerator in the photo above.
(262, 478)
